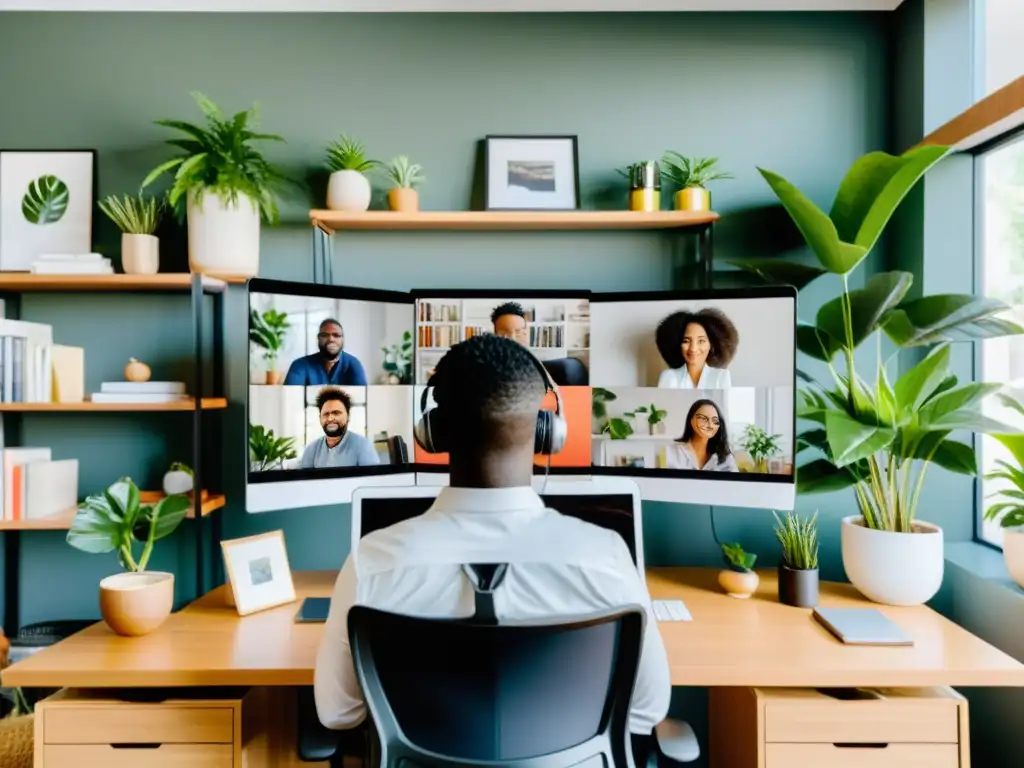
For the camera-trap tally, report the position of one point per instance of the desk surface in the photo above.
(756, 642)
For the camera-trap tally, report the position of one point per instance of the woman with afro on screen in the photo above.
(697, 347)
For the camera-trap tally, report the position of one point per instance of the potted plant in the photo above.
(405, 177)
(137, 218)
(225, 187)
(267, 331)
(878, 437)
(138, 601)
(798, 571)
(348, 188)
(600, 397)
(655, 418)
(1010, 510)
(266, 450)
(738, 578)
(179, 478)
(691, 175)
(760, 445)
(644, 179)
(398, 361)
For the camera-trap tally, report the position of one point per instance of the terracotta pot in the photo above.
(741, 584)
(403, 200)
(693, 199)
(274, 378)
(136, 603)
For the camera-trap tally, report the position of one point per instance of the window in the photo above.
(1003, 27)
(1001, 271)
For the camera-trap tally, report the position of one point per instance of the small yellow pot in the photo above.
(737, 583)
(693, 199)
(403, 200)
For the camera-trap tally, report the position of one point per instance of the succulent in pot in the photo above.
(798, 570)
(738, 578)
(348, 188)
(691, 176)
(405, 177)
(137, 218)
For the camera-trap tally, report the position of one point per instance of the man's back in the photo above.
(558, 566)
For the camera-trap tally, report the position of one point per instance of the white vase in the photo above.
(178, 481)
(348, 191)
(1013, 553)
(223, 238)
(140, 254)
(893, 568)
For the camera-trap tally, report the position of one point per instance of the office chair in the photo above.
(522, 695)
(568, 372)
(398, 452)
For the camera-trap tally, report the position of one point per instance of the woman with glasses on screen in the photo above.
(705, 442)
(697, 347)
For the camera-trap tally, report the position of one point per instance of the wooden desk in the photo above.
(730, 642)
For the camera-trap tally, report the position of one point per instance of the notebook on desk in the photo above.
(861, 626)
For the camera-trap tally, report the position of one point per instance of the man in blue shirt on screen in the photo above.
(338, 447)
(330, 364)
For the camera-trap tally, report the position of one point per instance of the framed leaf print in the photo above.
(46, 205)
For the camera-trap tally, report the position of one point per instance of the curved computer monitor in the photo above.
(694, 394)
(329, 395)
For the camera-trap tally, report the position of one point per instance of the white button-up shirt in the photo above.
(710, 378)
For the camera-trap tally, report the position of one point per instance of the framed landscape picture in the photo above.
(46, 205)
(531, 173)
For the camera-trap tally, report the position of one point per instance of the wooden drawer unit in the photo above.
(809, 728)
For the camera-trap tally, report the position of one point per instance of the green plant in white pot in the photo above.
(1008, 510)
(877, 435)
(224, 186)
(348, 188)
(137, 218)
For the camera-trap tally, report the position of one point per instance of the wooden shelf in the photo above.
(332, 221)
(186, 404)
(26, 282)
(62, 520)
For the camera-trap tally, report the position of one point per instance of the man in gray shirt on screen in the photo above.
(338, 447)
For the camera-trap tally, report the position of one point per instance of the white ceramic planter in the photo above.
(140, 254)
(223, 239)
(178, 481)
(893, 568)
(348, 191)
(1013, 553)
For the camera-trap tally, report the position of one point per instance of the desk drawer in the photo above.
(142, 724)
(830, 756)
(164, 756)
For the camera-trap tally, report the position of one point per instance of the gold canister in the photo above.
(693, 199)
(645, 186)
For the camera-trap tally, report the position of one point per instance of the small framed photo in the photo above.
(531, 173)
(258, 572)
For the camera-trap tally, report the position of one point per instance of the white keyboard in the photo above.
(671, 610)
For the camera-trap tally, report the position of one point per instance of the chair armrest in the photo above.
(313, 742)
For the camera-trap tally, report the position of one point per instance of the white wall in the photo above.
(389, 409)
(1004, 30)
(622, 337)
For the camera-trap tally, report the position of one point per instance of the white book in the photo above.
(135, 397)
(143, 387)
(72, 257)
(37, 376)
(72, 268)
(48, 487)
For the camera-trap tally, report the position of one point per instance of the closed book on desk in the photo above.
(861, 626)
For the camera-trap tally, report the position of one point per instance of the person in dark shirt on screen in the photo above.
(330, 364)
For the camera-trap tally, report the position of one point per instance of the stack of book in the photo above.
(140, 392)
(72, 264)
(33, 486)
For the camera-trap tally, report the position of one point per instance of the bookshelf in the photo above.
(202, 406)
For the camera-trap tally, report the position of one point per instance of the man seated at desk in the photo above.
(488, 391)
(330, 364)
(509, 320)
(338, 447)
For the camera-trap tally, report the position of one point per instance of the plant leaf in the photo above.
(817, 228)
(812, 438)
(851, 441)
(124, 499)
(956, 457)
(822, 476)
(169, 512)
(947, 318)
(885, 399)
(780, 271)
(917, 384)
(868, 306)
(45, 201)
(816, 343)
(1014, 443)
(95, 529)
(964, 397)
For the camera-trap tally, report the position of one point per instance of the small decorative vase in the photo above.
(798, 588)
(741, 584)
(136, 603)
(178, 481)
(140, 254)
(893, 568)
(645, 187)
(348, 191)
(1013, 553)
(274, 378)
(403, 200)
(693, 199)
(136, 371)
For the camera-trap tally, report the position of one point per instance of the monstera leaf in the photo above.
(46, 200)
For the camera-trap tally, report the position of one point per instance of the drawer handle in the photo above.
(143, 745)
(859, 745)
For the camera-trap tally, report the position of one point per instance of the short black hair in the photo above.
(488, 377)
(508, 308)
(333, 393)
(717, 445)
(331, 321)
(722, 335)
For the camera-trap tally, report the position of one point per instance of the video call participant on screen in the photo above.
(509, 321)
(338, 447)
(705, 442)
(488, 392)
(330, 364)
(697, 347)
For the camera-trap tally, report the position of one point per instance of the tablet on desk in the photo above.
(861, 626)
(313, 609)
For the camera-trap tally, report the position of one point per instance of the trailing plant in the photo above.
(115, 520)
(799, 540)
(268, 331)
(880, 437)
(347, 154)
(736, 558)
(405, 174)
(760, 445)
(220, 157)
(398, 359)
(266, 450)
(686, 172)
(137, 215)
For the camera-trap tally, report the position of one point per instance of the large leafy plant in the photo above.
(267, 450)
(115, 520)
(1009, 509)
(268, 331)
(398, 359)
(220, 157)
(876, 435)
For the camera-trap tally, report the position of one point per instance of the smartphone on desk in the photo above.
(313, 610)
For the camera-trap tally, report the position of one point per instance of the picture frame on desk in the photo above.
(531, 173)
(258, 572)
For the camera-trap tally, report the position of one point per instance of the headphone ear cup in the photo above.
(429, 432)
(542, 435)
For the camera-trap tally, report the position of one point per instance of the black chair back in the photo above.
(520, 695)
(568, 372)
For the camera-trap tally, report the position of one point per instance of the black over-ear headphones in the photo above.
(431, 431)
